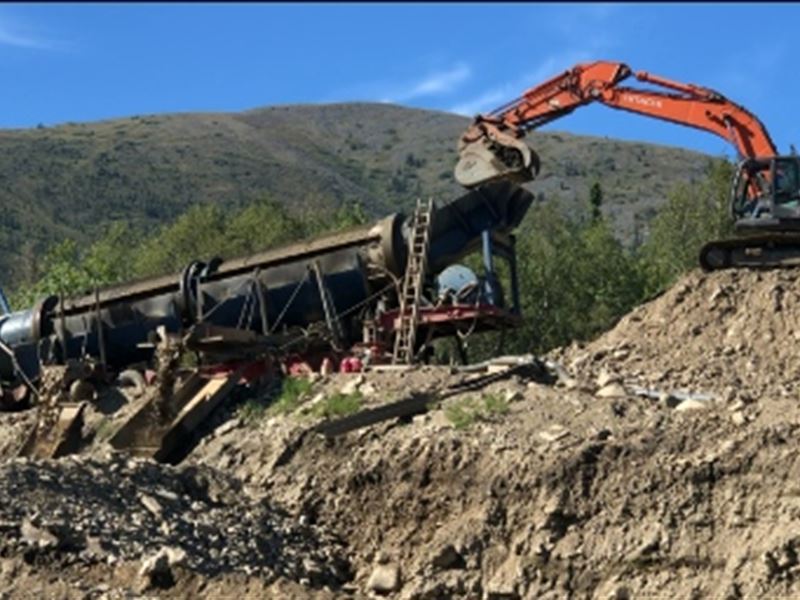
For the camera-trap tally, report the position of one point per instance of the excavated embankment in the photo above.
(662, 464)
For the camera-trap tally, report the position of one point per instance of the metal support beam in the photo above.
(488, 265)
(512, 265)
(262, 305)
(101, 343)
(327, 306)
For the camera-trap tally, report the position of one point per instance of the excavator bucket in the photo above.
(491, 154)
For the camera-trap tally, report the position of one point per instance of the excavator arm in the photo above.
(493, 147)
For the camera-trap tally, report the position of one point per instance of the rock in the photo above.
(554, 433)
(621, 353)
(384, 579)
(690, 405)
(368, 389)
(228, 427)
(308, 407)
(95, 547)
(738, 405)
(155, 572)
(612, 390)
(152, 505)
(504, 583)
(36, 536)
(176, 556)
(579, 361)
(352, 385)
(605, 378)
(718, 291)
(649, 545)
(448, 558)
(739, 418)
(512, 396)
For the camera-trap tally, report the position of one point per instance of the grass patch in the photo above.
(251, 412)
(464, 412)
(293, 391)
(338, 405)
(495, 405)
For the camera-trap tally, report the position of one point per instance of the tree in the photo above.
(596, 200)
(62, 273)
(576, 280)
(198, 234)
(111, 258)
(693, 215)
(262, 225)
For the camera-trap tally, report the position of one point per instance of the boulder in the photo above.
(384, 579)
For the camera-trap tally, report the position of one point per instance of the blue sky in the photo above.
(86, 62)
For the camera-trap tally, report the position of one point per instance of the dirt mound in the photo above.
(731, 332)
(565, 494)
(660, 464)
(610, 484)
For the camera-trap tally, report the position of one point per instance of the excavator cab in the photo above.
(766, 207)
(766, 194)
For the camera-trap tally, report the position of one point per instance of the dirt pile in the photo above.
(609, 484)
(734, 333)
(662, 463)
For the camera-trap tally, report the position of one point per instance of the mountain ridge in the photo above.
(72, 180)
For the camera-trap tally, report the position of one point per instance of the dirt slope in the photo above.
(663, 463)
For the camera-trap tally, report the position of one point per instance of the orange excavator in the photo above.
(765, 192)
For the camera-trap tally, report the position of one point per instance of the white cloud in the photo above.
(15, 34)
(438, 83)
(483, 102)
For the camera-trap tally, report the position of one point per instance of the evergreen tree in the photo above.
(596, 200)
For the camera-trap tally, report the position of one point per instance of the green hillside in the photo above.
(73, 180)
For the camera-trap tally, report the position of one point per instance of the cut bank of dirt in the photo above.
(607, 484)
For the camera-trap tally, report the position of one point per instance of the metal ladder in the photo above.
(411, 293)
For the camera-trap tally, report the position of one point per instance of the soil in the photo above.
(661, 462)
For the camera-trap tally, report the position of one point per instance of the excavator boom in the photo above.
(492, 147)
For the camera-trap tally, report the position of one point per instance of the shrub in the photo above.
(293, 391)
(338, 405)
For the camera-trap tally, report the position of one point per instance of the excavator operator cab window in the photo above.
(787, 182)
(750, 195)
(768, 188)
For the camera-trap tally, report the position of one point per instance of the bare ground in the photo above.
(663, 463)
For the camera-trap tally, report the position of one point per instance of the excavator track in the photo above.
(776, 250)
